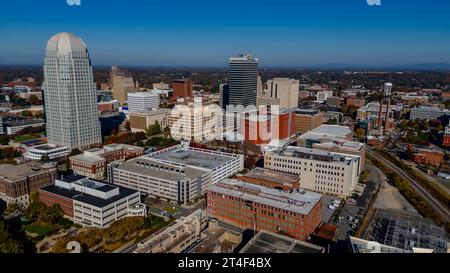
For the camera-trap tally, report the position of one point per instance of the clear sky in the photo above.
(207, 32)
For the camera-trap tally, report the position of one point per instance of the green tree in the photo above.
(360, 133)
(45, 158)
(7, 242)
(154, 129)
(26, 113)
(52, 214)
(140, 143)
(75, 151)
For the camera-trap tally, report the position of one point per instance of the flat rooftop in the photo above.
(88, 159)
(337, 130)
(300, 202)
(15, 172)
(268, 242)
(193, 157)
(272, 176)
(23, 122)
(314, 154)
(150, 167)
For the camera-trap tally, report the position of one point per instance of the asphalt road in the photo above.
(433, 202)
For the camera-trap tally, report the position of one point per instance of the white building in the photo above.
(95, 203)
(142, 101)
(322, 96)
(52, 151)
(388, 88)
(70, 94)
(320, 171)
(284, 89)
(179, 174)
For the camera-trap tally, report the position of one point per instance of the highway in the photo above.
(431, 200)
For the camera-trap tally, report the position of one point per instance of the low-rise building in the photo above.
(142, 101)
(179, 174)
(321, 171)
(141, 121)
(92, 163)
(325, 133)
(334, 101)
(18, 181)
(14, 127)
(250, 206)
(92, 203)
(429, 157)
(355, 101)
(271, 179)
(50, 150)
(428, 112)
(178, 237)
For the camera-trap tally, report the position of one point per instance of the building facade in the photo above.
(255, 207)
(91, 203)
(307, 120)
(18, 181)
(242, 79)
(121, 83)
(284, 89)
(142, 101)
(321, 171)
(141, 121)
(182, 88)
(72, 118)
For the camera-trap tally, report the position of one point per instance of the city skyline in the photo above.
(200, 34)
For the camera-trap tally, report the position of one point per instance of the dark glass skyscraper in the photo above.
(242, 79)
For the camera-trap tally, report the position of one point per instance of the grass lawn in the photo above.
(170, 209)
(24, 138)
(39, 228)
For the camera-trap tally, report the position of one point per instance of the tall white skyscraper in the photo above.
(243, 76)
(70, 94)
(388, 88)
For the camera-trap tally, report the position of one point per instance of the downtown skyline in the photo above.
(201, 34)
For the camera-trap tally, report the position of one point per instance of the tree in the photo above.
(45, 158)
(7, 242)
(360, 133)
(140, 143)
(75, 151)
(33, 99)
(154, 129)
(52, 214)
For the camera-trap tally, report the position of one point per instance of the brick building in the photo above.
(271, 179)
(355, 101)
(92, 163)
(182, 88)
(18, 181)
(251, 206)
(261, 129)
(429, 157)
(307, 120)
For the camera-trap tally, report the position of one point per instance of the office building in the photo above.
(373, 109)
(161, 85)
(263, 128)
(224, 95)
(355, 101)
(325, 133)
(72, 118)
(142, 120)
(428, 112)
(92, 163)
(142, 101)
(182, 88)
(334, 101)
(179, 174)
(53, 152)
(307, 120)
(18, 181)
(284, 89)
(196, 121)
(250, 206)
(16, 126)
(347, 147)
(388, 89)
(322, 96)
(122, 83)
(321, 171)
(92, 203)
(242, 79)
(446, 138)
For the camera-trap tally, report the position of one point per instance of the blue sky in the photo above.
(206, 33)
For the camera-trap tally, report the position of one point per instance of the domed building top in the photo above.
(65, 43)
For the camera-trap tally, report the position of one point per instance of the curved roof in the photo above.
(65, 42)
